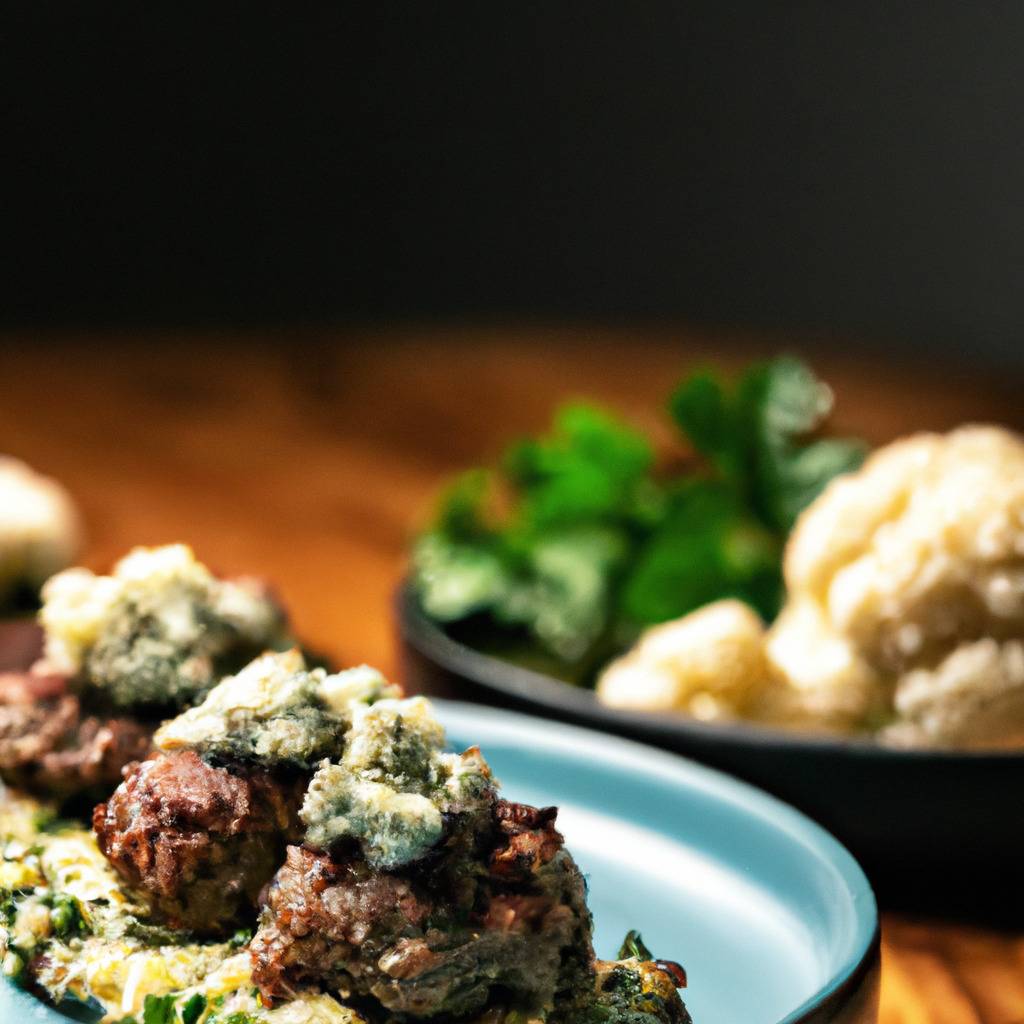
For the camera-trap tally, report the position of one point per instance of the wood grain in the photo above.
(310, 457)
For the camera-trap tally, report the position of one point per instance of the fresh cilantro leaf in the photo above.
(539, 546)
(780, 404)
(193, 1008)
(590, 468)
(633, 946)
(708, 547)
(574, 543)
(158, 1009)
(66, 916)
(457, 578)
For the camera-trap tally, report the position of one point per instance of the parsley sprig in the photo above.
(575, 542)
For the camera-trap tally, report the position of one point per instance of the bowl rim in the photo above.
(639, 758)
(540, 690)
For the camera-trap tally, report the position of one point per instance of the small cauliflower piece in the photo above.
(820, 682)
(39, 528)
(275, 712)
(161, 630)
(709, 663)
(920, 550)
(394, 785)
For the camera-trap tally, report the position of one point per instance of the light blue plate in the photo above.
(772, 918)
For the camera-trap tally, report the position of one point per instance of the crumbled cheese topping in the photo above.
(393, 785)
(153, 629)
(276, 710)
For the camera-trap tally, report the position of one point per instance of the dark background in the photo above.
(856, 167)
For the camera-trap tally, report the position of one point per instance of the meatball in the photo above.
(504, 916)
(201, 840)
(49, 744)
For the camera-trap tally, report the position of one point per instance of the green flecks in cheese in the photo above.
(393, 828)
(275, 711)
(393, 786)
(67, 919)
(155, 630)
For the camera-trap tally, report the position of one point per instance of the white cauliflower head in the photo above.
(904, 614)
(920, 550)
(39, 527)
(913, 568)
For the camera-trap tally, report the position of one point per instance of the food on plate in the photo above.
(905, 605)
(159, 631)
(39, 533)
(578, 541)
(202, 826)
(386, 879)
(121, 650)
(202, 841)
(49, 743)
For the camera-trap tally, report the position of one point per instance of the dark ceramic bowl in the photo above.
(935, 831)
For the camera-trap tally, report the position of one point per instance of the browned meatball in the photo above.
(48, 744)
(203, 841)
(441, 937)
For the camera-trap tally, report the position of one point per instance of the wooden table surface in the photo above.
(310, 456)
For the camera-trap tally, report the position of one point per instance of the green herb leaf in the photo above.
(574, 543)
(545, 559)
(66, 916)
(708, 547)
(633, 946)
(158, 1009)
(193, 1008)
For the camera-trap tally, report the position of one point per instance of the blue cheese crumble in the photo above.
(394, 787)
(160, 630)
(276, 712)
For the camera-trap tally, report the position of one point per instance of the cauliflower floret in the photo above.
(39, 528)
(920, 550)
(973, 698)
(904, 614)
(820, 680)
(906, 595)
(709, 663)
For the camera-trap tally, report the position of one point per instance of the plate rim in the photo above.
(540, 690)
(750, 799)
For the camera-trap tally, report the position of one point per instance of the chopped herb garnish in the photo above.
(66, 916)
(633, 946)
(158, 1010)
(575, 543)
(193, 1008)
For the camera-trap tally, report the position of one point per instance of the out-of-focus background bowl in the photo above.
(932, 828)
